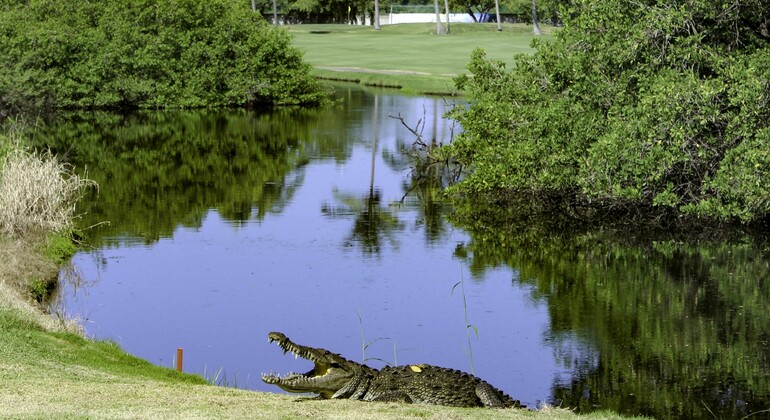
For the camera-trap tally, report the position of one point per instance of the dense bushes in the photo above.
(653, 103)
(147, 54)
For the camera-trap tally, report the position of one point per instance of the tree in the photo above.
(475, 8)
(275, 13)
(439, 29)
(325, 11)
(544, 9)
(446, 9)
(654, 105)
(148, 54)
(535, 26)
(377, 15)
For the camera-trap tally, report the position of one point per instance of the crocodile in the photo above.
(334, 376)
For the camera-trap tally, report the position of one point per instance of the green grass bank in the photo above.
(51, 374)
(48, 370)
(407, 56)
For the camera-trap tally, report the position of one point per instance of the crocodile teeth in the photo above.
(274, 377)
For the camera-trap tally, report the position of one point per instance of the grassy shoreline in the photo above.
(48, 369)
(48, 374)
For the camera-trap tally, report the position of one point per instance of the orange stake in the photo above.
(179, 359)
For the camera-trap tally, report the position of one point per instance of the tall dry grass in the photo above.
(38, 192)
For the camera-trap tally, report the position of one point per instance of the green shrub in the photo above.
(59, 246)
(147, 54)
(649, 103)
(40, 290)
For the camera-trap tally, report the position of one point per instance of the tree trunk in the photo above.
(446, 7)
(439, 28)
(470, 13)
(535, 25)
(253, 5)
(377, 15)
(497, 14)
(275, 13)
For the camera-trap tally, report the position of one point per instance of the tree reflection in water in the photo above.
(374, 224)
(651, 323)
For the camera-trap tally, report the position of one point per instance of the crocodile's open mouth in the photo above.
(323, 379)
(319, 369)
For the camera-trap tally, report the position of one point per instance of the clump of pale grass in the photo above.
(38, 193)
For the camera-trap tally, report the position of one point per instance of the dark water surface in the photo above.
(225, 225)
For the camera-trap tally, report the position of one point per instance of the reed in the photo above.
(365, 344)
(468, 325)
(38, 191)
(217, 378)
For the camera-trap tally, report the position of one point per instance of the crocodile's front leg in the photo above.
(489, 395)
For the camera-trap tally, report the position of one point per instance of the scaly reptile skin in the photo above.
(334, 376)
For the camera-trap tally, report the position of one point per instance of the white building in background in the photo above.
(396, 18)
(406, 14)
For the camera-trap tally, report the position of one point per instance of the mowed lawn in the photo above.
(411, 56)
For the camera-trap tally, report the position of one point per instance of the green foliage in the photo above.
(522, 9)
(321, 11)
(654, 103)
(474, 8)
(147, 54)
(59, 247)
(40, 290)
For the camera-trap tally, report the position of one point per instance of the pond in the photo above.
(211, 228)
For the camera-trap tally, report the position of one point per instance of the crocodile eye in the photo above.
(335, 365)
